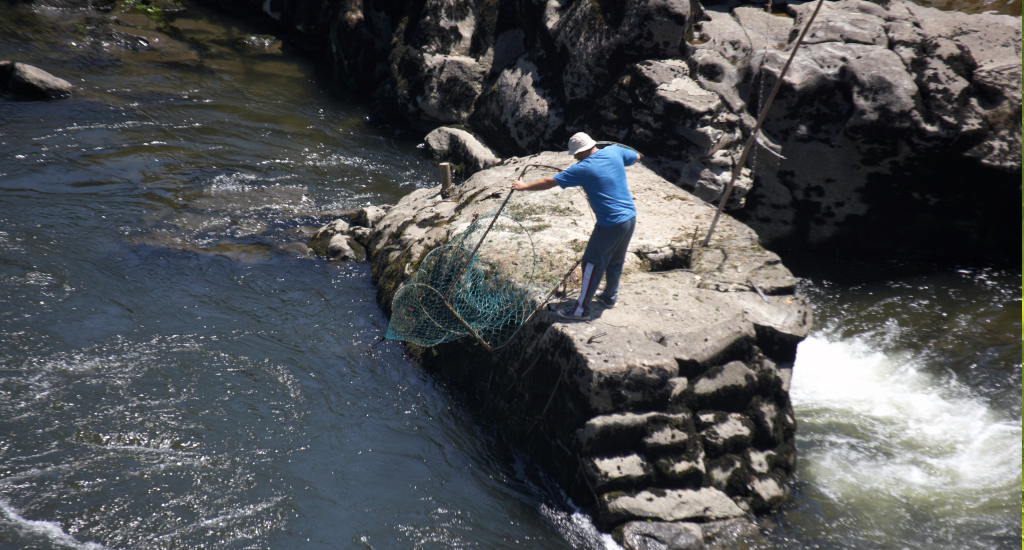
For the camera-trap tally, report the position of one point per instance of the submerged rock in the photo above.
(31, 82)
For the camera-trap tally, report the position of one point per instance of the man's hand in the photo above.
(518, 185)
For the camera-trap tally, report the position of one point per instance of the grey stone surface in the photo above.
(520, 112)
(618, 472)
(724, 385)
(732, 534)
(885, 93)
(766, 492)
(681, 471)
(886, 106)
(658, 535)
(666, 505)
(32, 82)
(612, 431)
(670, 433)
(725, 432)
(730, 474)
(344, 247)
(367, 216)
(460, 148)
(594, 40)
(451, 84)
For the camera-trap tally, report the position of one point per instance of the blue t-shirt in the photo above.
(603, 177)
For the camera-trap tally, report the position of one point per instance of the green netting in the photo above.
(491, 276)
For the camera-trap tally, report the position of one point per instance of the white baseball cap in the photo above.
(580, 141)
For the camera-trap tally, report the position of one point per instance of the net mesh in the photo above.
(488, 294)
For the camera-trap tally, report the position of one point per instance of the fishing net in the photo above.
(492, 276)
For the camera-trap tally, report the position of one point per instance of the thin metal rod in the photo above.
(757, 127)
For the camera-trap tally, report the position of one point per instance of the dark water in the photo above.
(177, 372)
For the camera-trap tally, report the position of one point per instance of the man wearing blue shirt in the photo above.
(602, 175)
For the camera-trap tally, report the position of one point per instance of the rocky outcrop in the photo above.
(888, 110)
(31, 82)
(673, 407)
(883, 117)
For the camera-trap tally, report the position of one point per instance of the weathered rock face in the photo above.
(671, 407)
(888, 110)
(884, 116)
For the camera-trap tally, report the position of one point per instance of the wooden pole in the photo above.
(757, 127)
(446, 180)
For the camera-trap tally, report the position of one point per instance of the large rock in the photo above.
(643, 535)
(615, 408)
(597, 39)
(460, 148)
(31, 82)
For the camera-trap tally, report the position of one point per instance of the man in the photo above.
(602, 174)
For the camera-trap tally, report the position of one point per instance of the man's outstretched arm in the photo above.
(547, 182)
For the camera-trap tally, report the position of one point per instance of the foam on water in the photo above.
(880, 427)
(35, 532)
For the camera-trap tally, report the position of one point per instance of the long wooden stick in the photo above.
(757, 127)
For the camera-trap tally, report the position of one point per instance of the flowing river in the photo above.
(177, 372)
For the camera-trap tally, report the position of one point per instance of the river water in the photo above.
(177, 372)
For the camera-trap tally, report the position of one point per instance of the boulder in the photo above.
(732, 534)
(681, 471)
(659, 535)
(887, 110)
(460, 148)
(670, 433)
(766, 493)
(451, 84)
(344, 247)
(729, 474)
(612, 431)
(31, 82)
(883, 114)
(346, 238)
(597, 39)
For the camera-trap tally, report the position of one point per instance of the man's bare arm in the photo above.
(547, 182)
